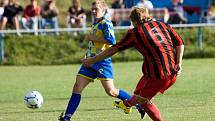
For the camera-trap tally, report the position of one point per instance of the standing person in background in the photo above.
(210, 14)
(30, 19)
(76, 15)
(49, 13)
(177, 14)
(162, 49)
(10, 16)
(101, 37)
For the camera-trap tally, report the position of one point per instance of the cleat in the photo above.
(142, 113)
(120, 104)
(61, 117)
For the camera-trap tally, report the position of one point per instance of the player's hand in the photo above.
(90, 37)
(87, 62)
(178, 69)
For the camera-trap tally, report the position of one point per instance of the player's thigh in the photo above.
(80, 84)
(148, 88)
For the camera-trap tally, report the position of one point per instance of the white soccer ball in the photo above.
(33, 99)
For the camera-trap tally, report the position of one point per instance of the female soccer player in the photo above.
(101, 37)
(162, 49)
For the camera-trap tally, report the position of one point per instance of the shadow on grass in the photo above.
(51, 111)
(85, 97)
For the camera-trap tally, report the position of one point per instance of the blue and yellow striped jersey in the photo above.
(103, 28)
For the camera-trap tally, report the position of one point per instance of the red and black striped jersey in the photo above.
(156, 41)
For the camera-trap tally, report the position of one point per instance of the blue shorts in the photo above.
(103, 73)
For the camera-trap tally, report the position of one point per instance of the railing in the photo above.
(199, 25)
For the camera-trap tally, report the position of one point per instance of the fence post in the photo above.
(200, 38)
(1, 48)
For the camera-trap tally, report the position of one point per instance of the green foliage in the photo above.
(30, 50)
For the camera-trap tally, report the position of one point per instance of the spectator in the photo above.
(118, 4)
(3, 3)
(145, 3)
(31, 16)
(131, 3)
(19, 9)
(127, 5)
(76, 15)
(49, 13)
(176, 13)
(10, 16)
(211, 13)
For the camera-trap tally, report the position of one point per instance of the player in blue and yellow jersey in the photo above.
(100, 38)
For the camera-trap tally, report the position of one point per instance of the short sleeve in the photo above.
(108, 33)
(176, 39)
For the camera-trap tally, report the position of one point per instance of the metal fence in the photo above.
(197, 25)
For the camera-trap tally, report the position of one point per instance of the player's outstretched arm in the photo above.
(179, 56)
(107, 53)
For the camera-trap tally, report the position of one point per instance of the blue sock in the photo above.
(123, 95)
(72, 105)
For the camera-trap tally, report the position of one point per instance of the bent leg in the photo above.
(3, 23)
(113, 92)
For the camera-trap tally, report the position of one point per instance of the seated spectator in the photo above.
(3, 3)
(122, 4)
(31, 16)
(176, 13)
(19, 9)
(118, 4)
(10, 16)
(210, 15)
(145, 3)
(49, 13)
(76, 15)
(129, 3)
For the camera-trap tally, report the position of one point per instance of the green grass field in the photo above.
(192, 98)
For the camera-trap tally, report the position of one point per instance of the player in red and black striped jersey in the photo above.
(162, 49)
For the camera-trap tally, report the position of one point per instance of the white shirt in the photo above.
(147, 4)
(1, 12)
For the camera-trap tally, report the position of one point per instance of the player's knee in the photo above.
(77, 88)
(112, 93)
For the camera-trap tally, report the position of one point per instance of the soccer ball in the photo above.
(33, 99)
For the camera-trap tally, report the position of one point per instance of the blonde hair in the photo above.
(78, 2)
(140, 14)
(100, 2)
